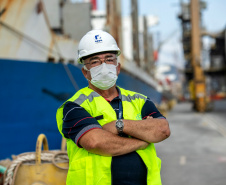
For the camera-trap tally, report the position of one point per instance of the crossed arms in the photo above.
(106, 141)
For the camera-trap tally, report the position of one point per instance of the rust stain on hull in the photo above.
(5, 5)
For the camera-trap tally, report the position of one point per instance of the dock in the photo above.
(195, 153)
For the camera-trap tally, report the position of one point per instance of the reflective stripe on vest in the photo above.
(130, 98)
(92, 95)
(83, 98)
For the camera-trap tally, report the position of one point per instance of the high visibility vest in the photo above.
(86, 168)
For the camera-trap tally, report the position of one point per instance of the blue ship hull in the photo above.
(30, 94)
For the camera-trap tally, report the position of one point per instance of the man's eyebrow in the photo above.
(109, 55)
(96, 57)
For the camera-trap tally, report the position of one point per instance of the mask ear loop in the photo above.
(117, 62)
(84, 67)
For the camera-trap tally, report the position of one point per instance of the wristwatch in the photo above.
(119, 126)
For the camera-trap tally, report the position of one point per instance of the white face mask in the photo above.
(104, 76)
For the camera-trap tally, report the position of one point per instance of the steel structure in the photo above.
(198, 75)
(204, 83)
(190, 18)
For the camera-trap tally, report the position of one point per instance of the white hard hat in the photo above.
(96, 41)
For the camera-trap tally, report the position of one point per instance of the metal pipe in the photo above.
(136, 52)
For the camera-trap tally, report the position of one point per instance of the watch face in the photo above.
(119, 124)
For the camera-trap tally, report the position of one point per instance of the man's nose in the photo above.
(102, 60)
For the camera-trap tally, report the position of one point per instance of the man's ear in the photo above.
(118, 68)
(84, 72)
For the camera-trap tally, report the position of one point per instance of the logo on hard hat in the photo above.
(98, 39)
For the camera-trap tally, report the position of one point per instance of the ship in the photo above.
(39, 71)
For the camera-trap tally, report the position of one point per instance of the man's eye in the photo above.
(94, 62)
(109, 60)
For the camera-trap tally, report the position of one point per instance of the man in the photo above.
(110, 131)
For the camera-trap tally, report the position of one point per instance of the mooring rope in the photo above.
(54, 157)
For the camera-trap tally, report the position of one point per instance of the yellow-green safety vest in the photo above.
(86, 168)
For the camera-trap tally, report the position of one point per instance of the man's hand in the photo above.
(145, 145)
(110, 127)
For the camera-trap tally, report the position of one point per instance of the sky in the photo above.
(213, 17)
(168, 30)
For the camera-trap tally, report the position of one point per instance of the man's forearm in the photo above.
(104, 143)
(150, 130)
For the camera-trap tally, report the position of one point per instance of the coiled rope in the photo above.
(54, 157)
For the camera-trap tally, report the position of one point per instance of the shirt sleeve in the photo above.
(77, 121)
(149, 109)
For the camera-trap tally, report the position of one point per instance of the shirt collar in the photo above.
(119, 97)
(119, 93)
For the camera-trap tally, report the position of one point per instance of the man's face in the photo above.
(98, 59)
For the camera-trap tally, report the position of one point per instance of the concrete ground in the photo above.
(195, 153)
